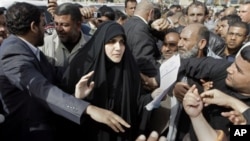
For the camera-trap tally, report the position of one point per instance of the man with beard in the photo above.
(229, 80)
(194, 39)
(196, 12)
(62, 45)
(192, 44)
(32, 102)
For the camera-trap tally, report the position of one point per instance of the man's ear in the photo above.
(33, 27)
(202, 44)
(150, 14)
(119, 20)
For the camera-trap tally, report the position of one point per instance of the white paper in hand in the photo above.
(168, 73)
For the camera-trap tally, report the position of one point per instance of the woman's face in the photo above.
(115, 48)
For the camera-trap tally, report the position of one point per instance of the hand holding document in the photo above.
(168, 75)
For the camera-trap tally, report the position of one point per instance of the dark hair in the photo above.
(231, 19)
(107, 12)
(171, 30)
(2, 10)
(196, 4)
(120, 14)
(126, 2)
(245, 53)
(19, 17)
(157, 13)
(69, 9)
(241, 25)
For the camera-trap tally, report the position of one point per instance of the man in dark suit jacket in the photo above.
(143, 43)
(31, 100)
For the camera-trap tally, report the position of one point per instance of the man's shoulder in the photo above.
(12, 40)
(133, 22)
(13, 45)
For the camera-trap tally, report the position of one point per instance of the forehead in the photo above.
(196, 9)
(224, 22)
(244, 7)
(188, 32)
(243, 65)
(131, 4)
(237, 29)
(59, 18)
(172, 36)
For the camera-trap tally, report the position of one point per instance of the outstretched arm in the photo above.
(107, 117)
(217, 97)
(193, 106)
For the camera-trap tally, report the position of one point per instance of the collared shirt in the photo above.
(57, 54)
(142, 18)
(34, 49)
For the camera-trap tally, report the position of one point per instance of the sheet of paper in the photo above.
(168, 73)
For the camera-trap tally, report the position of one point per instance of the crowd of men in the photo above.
(211, 91)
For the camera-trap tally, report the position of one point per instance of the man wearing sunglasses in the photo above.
(169, 45)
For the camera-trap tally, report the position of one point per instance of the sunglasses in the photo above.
(170, 44)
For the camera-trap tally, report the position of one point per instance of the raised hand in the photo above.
(52, 5)
(161, 24)
(82, 88)
(192, 102)
(87, 12)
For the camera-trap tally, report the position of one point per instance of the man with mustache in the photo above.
(236, 35)
(193, 43)
(230, 79)
(169, 45)
(62, 45)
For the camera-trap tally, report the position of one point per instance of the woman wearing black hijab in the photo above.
(117, 83)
